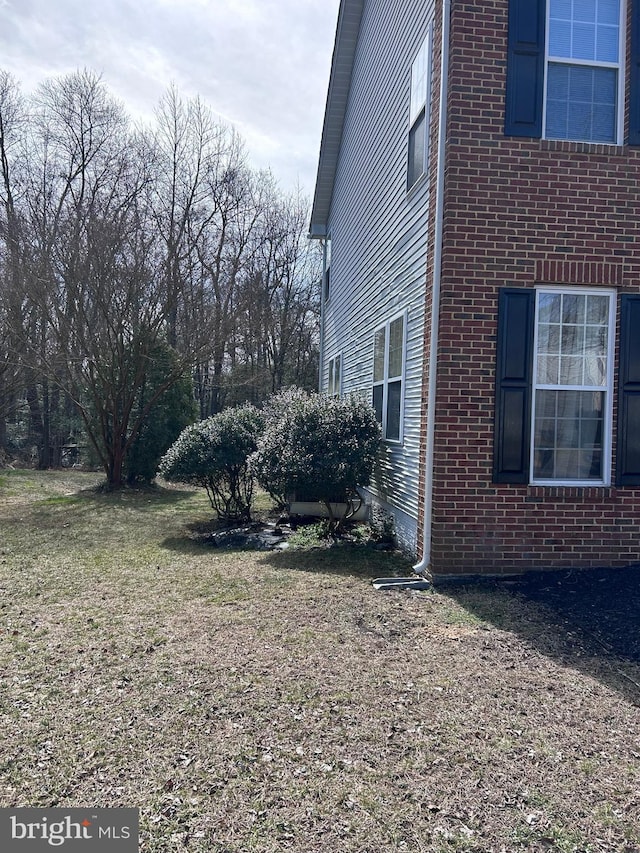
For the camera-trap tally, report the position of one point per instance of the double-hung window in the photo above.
(388, 377)
(418, 113)
(554, 387)
(572, 386)
(334, 384)
(327, 267)
(583, 72)
(566, 70)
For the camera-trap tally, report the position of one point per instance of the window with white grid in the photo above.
(571, 411)
(584, 70)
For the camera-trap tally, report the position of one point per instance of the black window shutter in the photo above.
(628, 454)
(634, 76)
(525, 68)
(514, 366)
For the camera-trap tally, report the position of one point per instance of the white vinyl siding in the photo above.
(379, 237)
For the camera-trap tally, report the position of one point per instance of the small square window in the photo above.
(327, 267)
(334, 383)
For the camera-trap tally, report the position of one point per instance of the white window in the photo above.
(572, 390)
(334, 384)
(388, 377)
(327, 266)
(418, 113)
(584, 79)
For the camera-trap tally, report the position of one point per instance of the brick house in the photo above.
(478, 200)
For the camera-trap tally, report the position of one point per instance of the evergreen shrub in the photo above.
(214, 454)
(317, 448)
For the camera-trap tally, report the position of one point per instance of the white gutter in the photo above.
(422, 567)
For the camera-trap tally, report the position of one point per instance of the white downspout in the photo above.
(323, 243)
(422, 567)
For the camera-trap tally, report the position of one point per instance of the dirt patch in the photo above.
(599, 607)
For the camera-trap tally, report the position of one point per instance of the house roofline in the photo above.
(349, 16)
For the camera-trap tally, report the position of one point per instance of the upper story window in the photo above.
(583, 72)
(566, 71)
(327, 266)
(418, 113)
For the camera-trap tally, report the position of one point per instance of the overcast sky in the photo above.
(261, 65)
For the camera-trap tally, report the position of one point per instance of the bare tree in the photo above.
(186, 147)
(280, 298)
(225, 247)
(97, 279)
(12, 121)
(115, 242)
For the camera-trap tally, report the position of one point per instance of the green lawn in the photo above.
(246, 701)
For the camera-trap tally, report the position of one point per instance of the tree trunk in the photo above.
(45, 449)
(35, 416)
(115, 469)
(3, 435)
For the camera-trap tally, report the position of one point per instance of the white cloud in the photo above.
(262, 65)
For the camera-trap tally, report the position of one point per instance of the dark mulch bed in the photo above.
(603, 603)
(584, 619)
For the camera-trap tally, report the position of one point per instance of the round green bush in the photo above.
(214, 454)
(316, 447)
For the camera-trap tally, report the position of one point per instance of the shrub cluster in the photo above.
(309, 446)
(266, 462)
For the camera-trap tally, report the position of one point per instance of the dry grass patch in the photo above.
(268, 702)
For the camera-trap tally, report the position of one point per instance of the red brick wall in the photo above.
(518, 212)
